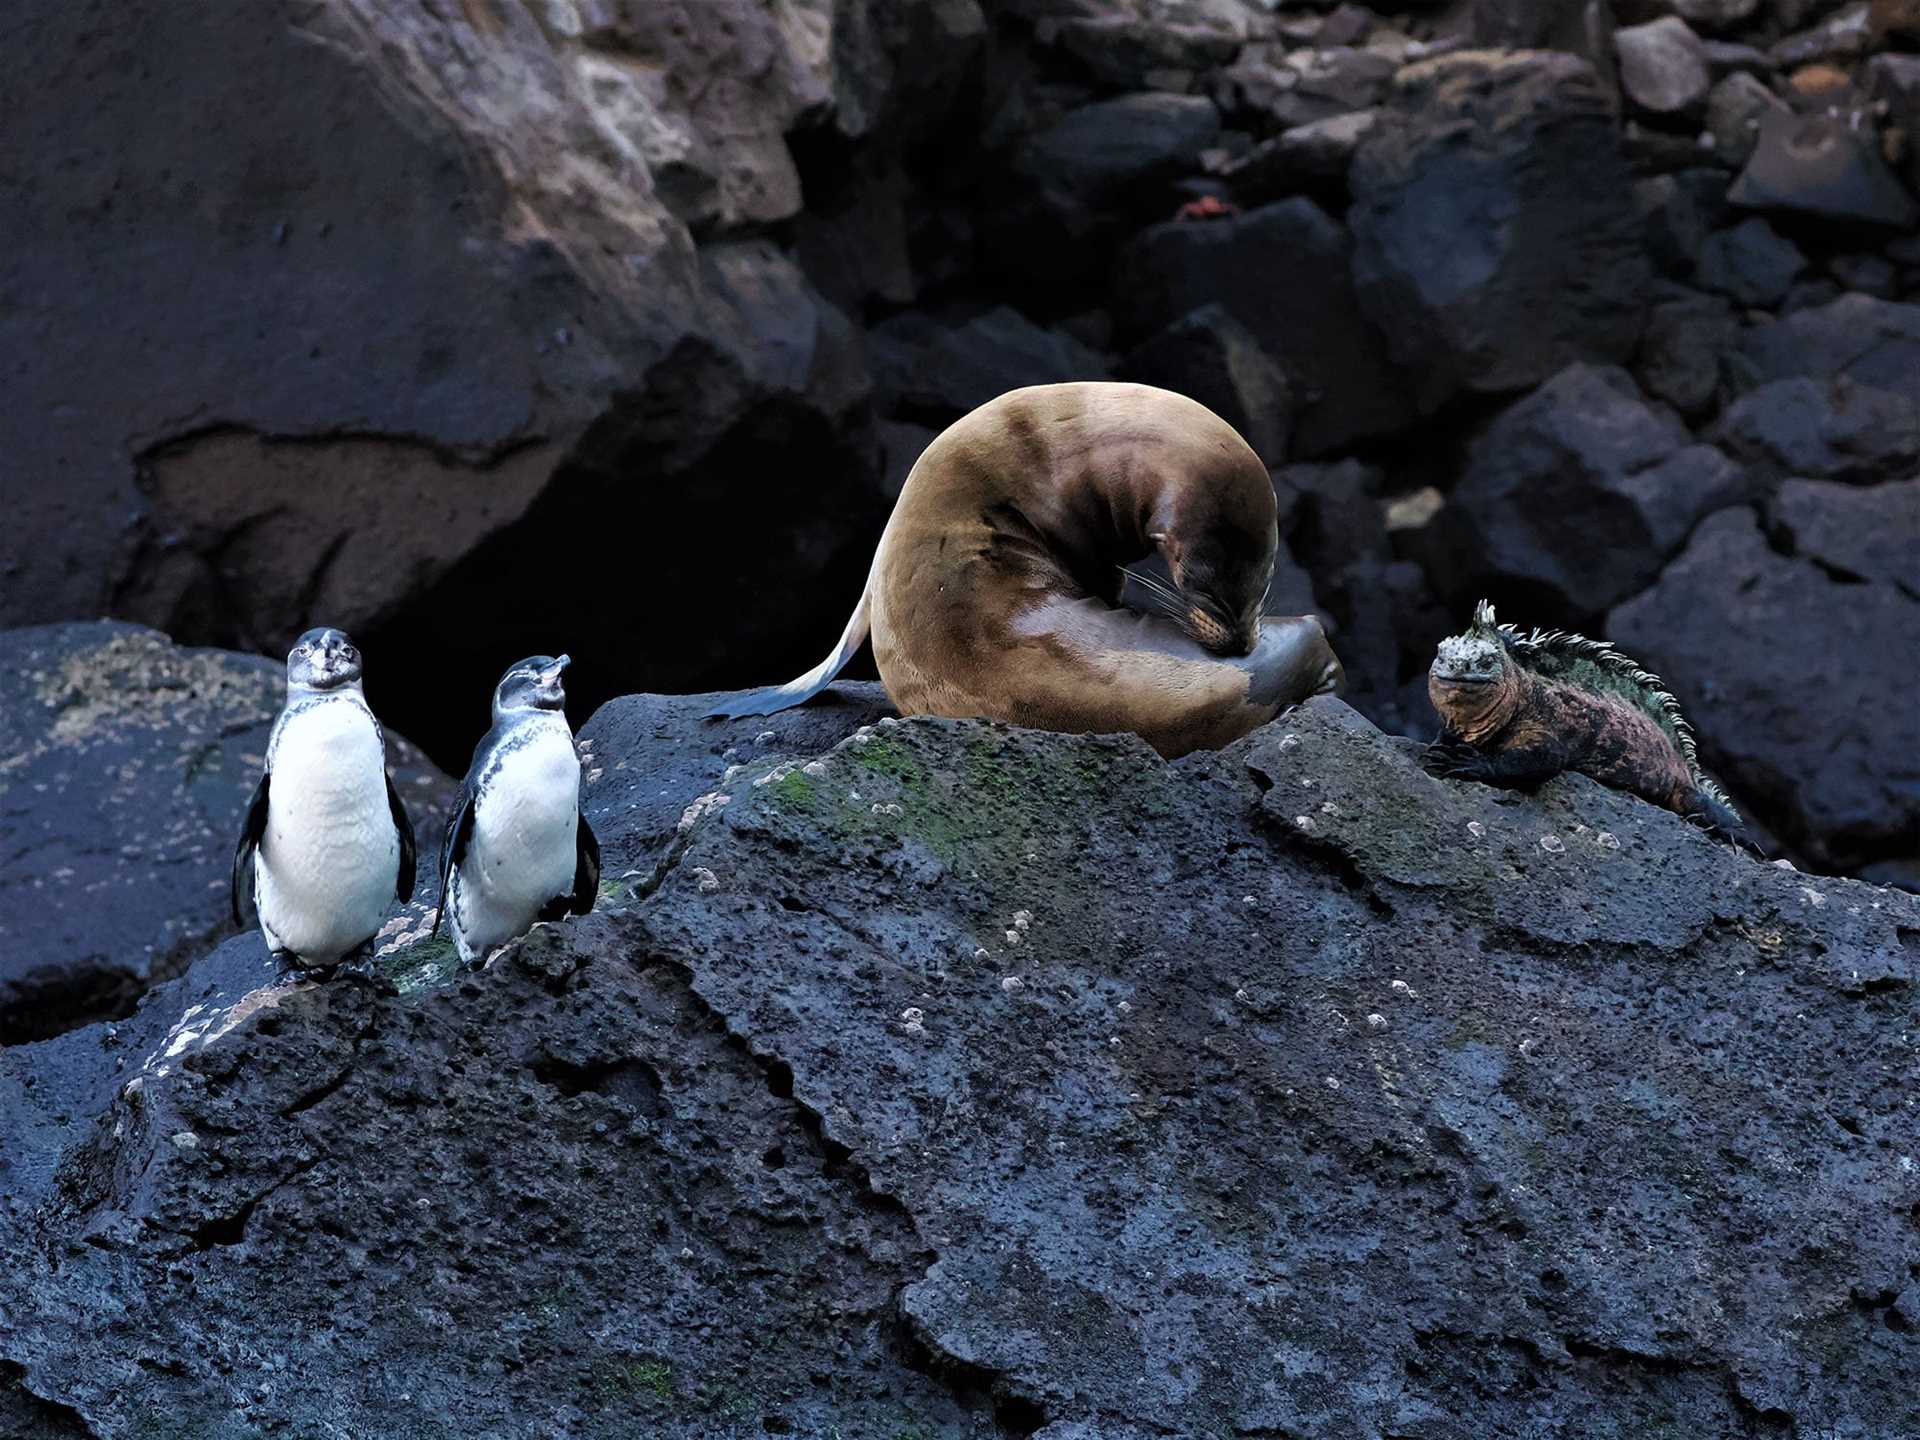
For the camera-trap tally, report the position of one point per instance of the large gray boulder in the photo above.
(969, 1081)
(330, 313)
(1282, 272)
(126, 763)
(1792, 651)
(1578, 494)
(1495, 241)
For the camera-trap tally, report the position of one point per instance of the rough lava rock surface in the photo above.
(1792, 649)
(964, 1081)
(126, 763)
(1494, 238)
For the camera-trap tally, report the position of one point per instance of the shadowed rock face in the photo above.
(126, 763)
(966, 1081)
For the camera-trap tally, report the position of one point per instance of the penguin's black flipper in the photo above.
(586, 872)
(403, 883)
(252, 831)
(453, 848)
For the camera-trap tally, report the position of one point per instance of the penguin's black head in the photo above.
(532, 684)
(323, 659)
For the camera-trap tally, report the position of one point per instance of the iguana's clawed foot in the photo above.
(1451, 760)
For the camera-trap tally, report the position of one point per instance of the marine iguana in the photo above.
(1519, 709)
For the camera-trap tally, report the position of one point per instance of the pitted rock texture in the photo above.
(369, 296)
(965, 1081)
(126, 763)
(1494, 238)
(1823, 602)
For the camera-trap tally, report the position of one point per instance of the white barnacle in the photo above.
(1011, 983)
(1476, 829)
(704, 879)
(1607, 840)
(1376, 1021)
(814, 767)
(1552, 844)
(701, 808)
(1022, 919)
(1402, 988)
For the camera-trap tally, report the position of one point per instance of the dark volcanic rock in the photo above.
(1735, 111)
(1663, 68)
(1679, 212)
(1099, 156)
(126, 763)
(1818, 165)
(936, 372)
(648, 757)
(1830, 430)
(1579, 27)
(1215, 359)
(1578, 494)
(1751, 263)
(1870, 342)
(1135, 44)
(1797, 668)
(304, 310)
(1495, 240)
(974, 1082)
(1282, 271)
(1312, 157)
(1681, 350)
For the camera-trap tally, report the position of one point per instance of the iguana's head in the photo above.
(1473, 681)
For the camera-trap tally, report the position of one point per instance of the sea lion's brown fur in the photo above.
(995, 589)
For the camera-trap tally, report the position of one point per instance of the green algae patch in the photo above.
(633, 1377)
(424, 965)
(793, 788)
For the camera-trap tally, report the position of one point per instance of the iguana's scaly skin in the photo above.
(1519, 709)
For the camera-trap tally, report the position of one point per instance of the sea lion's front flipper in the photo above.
(1141, 673)
(1292, 662)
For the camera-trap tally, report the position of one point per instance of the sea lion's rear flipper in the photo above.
(805, 687)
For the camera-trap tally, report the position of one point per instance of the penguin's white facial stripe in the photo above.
(533, 684)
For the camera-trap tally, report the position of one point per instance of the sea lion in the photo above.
(995, 591)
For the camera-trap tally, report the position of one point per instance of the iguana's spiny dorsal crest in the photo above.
(1495, 687)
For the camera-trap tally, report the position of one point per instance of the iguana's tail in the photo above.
(1715, 813)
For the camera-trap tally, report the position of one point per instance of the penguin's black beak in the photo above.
(550, 686)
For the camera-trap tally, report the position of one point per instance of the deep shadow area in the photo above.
(711, 576)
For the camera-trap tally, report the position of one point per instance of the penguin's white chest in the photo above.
(326, 870)
(522, 852)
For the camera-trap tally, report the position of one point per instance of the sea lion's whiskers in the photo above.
(1157, 589)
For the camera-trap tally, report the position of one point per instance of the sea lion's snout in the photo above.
(1213, 632)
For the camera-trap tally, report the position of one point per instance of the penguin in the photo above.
(326, 845)
(517, 848)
